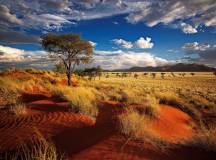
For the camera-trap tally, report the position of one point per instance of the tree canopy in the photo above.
(69, 48)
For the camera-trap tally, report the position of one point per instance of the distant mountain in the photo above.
(180, 67)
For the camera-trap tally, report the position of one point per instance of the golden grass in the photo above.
(36, 149)
(171, 98)
(82, 99)
(205, 137)
(153, 105)
(18, 109)
(135, 125)
(138, 127)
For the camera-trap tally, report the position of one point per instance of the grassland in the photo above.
(143, 104)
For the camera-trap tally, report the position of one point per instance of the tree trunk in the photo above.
(69, 79)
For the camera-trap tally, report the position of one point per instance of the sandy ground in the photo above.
(82, 137)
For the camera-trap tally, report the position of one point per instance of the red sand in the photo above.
(173, 125)
(80, 137)
(46, 116)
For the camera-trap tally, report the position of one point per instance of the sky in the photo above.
(124, 33)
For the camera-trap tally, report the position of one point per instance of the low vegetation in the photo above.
(36, 149)
(140, 93)
(18, 109)
(205, 137)
(82, 100)
(137, 126)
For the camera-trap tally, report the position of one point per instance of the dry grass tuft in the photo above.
(206, 137)
(37, 149)
(138, 127)
(18, 109)
(174, 100)
(82, 100)
(153, 105)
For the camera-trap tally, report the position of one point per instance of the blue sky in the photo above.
(125, 33)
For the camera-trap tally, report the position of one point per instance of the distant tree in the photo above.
(124, 75)
(117, 74)
(107, 76)
(93, 72)
(153, 75)
(192, 74)
(162, 75)
(99, 71)
(70, 49)
(136, 75)
(183, 74)
(145, 74)
(214, 73)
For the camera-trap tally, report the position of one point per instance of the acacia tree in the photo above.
(68, 48)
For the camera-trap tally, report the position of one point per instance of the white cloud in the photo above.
(107, 59)
(187, 28)
(120, 59)
(9, 54)
(123, 43)
(170, 10)
(196, 46)
(150, 12)
(93, 43)
(140, 43)
(144, 43)
(46, 21)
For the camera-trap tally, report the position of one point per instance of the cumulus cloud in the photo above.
(140, 43)
(121, 59)
(187, 28)
(107, 59)
(144, 43)
(9, 54)
(123, 43)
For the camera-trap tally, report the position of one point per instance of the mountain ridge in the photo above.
(179, 67)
